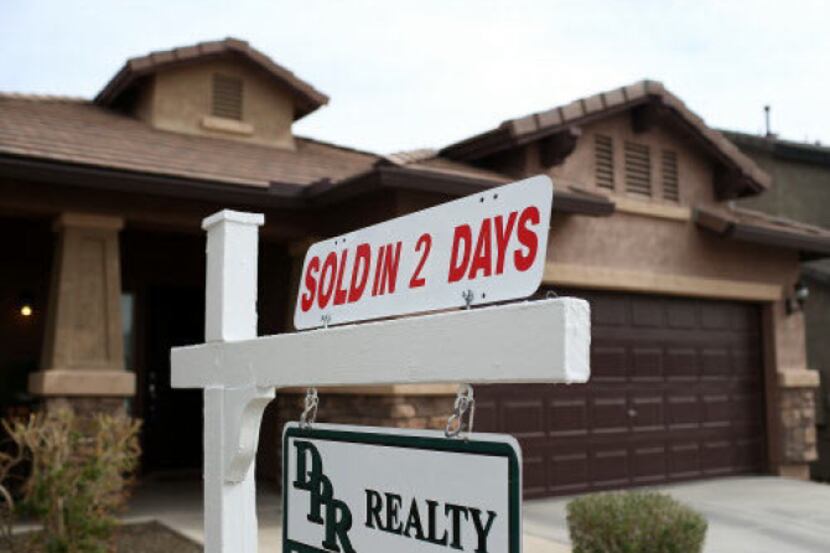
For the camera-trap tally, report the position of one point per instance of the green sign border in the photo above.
(470, 447)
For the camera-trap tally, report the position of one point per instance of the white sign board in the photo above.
(490, 245)
(375, 490)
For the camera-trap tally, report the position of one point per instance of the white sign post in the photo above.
(542, 341)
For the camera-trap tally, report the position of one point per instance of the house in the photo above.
(698, 367)
(801, 192)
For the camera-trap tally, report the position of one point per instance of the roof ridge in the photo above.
(307, 97)
(338, 146)
(35, 97)
(405, 157)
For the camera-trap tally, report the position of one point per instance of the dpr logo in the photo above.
(338, 518)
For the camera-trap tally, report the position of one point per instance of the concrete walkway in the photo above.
(755, 514)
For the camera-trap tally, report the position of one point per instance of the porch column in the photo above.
(793, 428)
(83, 353)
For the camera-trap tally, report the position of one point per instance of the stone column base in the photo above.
(797, 472)
(96, 383)
(87, 406)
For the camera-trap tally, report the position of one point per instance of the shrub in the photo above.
(79, 472)
(634, 522)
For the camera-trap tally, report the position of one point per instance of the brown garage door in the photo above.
(676, 393)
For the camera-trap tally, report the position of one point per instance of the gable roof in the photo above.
(306, 96)
(516, 132)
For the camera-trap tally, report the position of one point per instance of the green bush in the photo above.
(79, 474)
(634, 522)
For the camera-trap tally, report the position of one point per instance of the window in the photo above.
(227, 97)
(637, 169)
(604, 161)
(668, 164)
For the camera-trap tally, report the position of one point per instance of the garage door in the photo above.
(676, 393)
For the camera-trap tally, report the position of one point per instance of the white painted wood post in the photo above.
(232, 415)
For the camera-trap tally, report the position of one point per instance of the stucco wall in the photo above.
(800, 191)
(180, 99)
(694, 168)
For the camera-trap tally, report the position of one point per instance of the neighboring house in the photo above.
(801, 191)
(698, 369)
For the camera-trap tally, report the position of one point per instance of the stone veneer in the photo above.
(396, 411)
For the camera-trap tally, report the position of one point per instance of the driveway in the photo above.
(753, 514)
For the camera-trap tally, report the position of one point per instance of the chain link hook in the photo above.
(465, 403)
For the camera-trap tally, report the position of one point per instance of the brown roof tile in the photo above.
(307, 97)
(547, 122)
(81, 132)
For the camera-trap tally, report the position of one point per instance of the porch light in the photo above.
(26, 305)
(798, 297)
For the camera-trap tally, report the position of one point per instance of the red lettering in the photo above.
(339, 291)
(389, 277)
(307, 299)
(503, 233)
(527, 238)
(361, 261)
(458, 265)
(424, 243)
(481, 258)
(378, 270)
(326, 289)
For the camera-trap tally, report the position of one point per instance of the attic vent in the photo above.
(604, 153)
(637, 169)
(670, 180)
(227, 97)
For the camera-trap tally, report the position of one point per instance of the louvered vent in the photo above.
(227, 97)
(670, 178)
(604, 150)
(637, 169)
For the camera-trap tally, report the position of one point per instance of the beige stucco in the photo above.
(83, 352)
(694, 167)
(179, 99)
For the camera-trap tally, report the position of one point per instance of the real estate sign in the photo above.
(484, 248)
(361, 489)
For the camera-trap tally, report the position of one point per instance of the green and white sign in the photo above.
(353, 489)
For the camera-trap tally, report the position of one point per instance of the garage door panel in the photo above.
(646, 413)
(676, 393)
(609, 466)
(608, 415)
(568, 417)
(568, 471)
(524, 418)
(646, 363)
(649, 463)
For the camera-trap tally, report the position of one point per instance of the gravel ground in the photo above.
(150, 537)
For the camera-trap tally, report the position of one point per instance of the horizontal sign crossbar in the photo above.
(539, 341)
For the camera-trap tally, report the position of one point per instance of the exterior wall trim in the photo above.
(585, 276)
(651, 209)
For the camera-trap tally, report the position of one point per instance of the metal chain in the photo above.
(464, 403)
(309, 414)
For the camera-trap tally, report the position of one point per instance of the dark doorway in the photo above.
(172, 437)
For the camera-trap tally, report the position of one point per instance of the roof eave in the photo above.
(405, 178)
(727, 227)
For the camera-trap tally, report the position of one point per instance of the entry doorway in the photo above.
(172, 435)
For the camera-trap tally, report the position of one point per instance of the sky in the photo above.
(410, 74)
